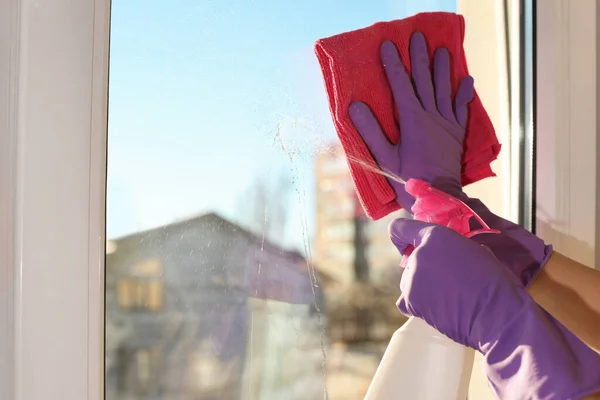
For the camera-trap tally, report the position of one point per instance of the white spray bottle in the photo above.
(420, 363)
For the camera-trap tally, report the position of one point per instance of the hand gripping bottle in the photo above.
(420, 363)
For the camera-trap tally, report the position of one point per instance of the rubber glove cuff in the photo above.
(534, 357)
(520, 251)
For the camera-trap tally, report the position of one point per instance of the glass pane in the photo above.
(237, 267)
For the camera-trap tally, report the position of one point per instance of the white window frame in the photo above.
(53, 100)
(568, 186)
(54, 74)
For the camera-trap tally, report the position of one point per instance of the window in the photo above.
(342, 253)
(138, 371)
(336, 208)
(334, 164)
(337, 183)
(175, 178)
(138, 287)
(223, 165)
(340, 231)
(209, 374)
(145, 367)
(139, 294)
(214, 165)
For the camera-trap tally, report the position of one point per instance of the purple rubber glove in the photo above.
(432, 126)
(461, 289)
(519, 250)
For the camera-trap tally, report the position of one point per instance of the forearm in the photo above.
(565, 288)
(569, 291)
(533, 356)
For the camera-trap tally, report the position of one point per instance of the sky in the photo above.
(198, 92)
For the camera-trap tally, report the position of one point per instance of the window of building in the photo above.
(343, 230)
(146, 372)
(334, 164)
(340, 252)
(138, 294)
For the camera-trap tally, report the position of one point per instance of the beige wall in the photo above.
(486, 56)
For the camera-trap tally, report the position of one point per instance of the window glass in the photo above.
(237, 266)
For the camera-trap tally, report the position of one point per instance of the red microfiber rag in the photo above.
(352, 71)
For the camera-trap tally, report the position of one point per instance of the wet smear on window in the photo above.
(288, 149)
(224, 167)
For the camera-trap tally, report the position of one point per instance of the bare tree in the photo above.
(361, 245)
(264, 206)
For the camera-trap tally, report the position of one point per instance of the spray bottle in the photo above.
(420, 363)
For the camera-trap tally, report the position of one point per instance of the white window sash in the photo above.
(7, 184)
(567, 130)
(53, 107)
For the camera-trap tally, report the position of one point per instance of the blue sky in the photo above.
(197, 91)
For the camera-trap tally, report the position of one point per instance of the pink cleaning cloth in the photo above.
(352, 71)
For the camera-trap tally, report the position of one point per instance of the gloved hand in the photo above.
(432, 126)
(461, 289)
(520, 251)
(432, 134)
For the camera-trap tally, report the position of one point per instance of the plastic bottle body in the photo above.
(422, 364)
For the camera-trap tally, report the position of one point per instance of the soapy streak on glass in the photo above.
(376, 169)
(214, 290)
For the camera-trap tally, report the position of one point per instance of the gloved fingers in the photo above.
(384, 152)
(463, 97)
(443, 88)
(421, 74)
(406, 302)
(408, 232)
(398, 79)
(403, 306)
